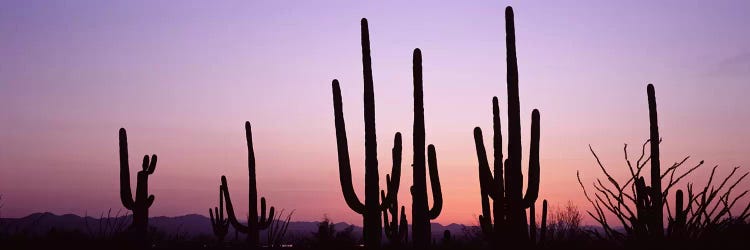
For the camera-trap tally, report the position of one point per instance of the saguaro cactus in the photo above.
(220, 225)
(370, 210)
(254, 223)
(397, 230)
(139, 206)
(677, 228)
(505, 187)
(543, 231)
(542, 226)
(657, 224)
(421, 213)
(649, 223)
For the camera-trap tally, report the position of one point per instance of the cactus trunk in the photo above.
(371, 209)
(421, 213)
(255, 223)
(142, 202)
(506, 184)
(657, 223)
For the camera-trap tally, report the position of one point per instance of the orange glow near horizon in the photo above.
(183, 79)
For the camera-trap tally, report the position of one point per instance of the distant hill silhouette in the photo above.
(191, 225)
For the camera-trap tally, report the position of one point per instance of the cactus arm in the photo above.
(345, 171)
(264, 221)
(392, 184)
(230, 209)
(150, 200)
(211, 217)
(532, 190)
(151, 165)
(486, 182)
(386, 225)
(498, 187)
(220, 213)
(497, 141)
(437, 194)
(126, 195)
(543, 232)
(532, 222)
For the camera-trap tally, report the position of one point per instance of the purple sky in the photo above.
(183, 77)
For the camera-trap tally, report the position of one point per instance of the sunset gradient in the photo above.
(183, 77)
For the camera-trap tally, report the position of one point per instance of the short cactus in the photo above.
(397, 230)
(142, 202)
(220, 225)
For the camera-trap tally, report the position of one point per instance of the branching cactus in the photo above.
(371, 209)
(397, 230)
(143, 201)
(421, 213)
(220, 225)
(505, 186)
(255, 223)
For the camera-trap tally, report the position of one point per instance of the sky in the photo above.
(183, 77)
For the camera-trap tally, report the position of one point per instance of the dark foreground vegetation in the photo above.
(630, 212)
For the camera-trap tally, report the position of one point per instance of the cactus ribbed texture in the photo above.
(139, 206)
(254, 223)
(220, 225)
(421, 213)
(505, 187)
(371, 209)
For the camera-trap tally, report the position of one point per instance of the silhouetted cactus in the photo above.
(421, 213)
(254, 223)
(677, 225)
(649, 222)
(543, 231)
(139, 206)
(371, 209)
(397, 230)
(447, 238)
(532, 224)
(505, 187)
(220, 225)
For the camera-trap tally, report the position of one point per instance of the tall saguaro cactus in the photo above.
(220, 225)
(254, 223)
(658, 221)
(649, 201)
(370, 210)
(505, 187)
(143, 201)
(421, 213)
